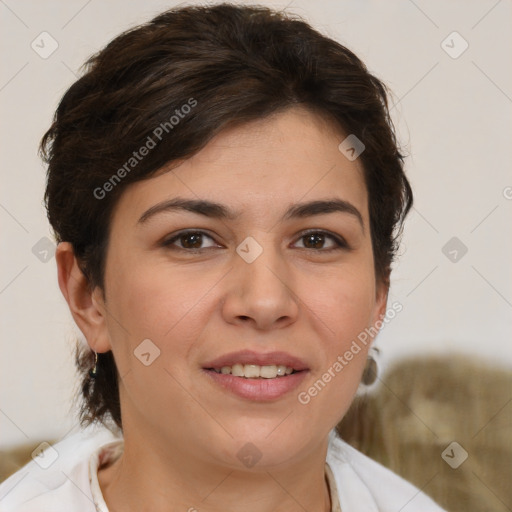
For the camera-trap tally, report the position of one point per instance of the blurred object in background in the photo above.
(444, 424)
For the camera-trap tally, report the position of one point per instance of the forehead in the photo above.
(258, 168)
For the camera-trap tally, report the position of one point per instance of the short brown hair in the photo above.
(237, 63)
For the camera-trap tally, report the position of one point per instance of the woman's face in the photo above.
(177, 304)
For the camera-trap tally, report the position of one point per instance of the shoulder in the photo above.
(58, 479)
(362, 480)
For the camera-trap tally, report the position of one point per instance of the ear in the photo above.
(87, 307)
(381, 301)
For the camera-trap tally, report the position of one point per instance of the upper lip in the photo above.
(257, 358)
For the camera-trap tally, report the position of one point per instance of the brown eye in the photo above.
(192, 240)
(317, 239)
(314, 241)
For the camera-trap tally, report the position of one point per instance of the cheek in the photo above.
(344, 311)
(160, 305)
(155, 306)
(344, 303)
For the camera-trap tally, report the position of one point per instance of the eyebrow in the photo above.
(220, 211)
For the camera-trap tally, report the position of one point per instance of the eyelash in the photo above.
(341, 244)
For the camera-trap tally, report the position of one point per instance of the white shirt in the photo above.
(64, 479)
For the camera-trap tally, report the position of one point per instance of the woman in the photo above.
(227, 193)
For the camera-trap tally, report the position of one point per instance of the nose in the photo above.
(261, 292)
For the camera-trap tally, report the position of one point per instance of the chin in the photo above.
(268, 445)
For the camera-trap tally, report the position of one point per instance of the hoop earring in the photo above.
(371, 369)
(93, 372)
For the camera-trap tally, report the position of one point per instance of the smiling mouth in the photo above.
(253, 371)
(258, 383)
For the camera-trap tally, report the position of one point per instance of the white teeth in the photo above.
(269, 372)
(237, 370)
(253, 371)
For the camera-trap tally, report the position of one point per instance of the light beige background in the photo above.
(453, 115)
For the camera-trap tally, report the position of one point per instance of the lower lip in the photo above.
(258, 389)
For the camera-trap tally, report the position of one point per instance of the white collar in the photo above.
(104, 454)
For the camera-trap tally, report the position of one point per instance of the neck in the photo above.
(148, 476)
